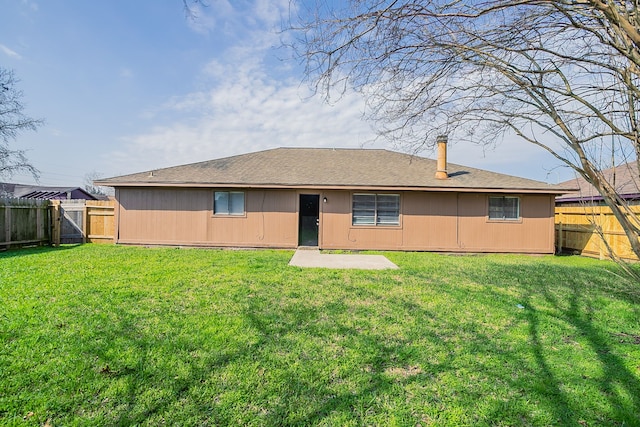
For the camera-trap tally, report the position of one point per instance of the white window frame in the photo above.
(503, 209)
(375, 209)
(219, 208)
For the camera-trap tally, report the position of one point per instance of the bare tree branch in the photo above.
(12, 122)
(568, 70)
(190, 8)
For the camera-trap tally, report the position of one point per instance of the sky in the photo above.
(129, 86)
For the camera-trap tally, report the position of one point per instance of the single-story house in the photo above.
(335, 199)
(624, 178)
(25, 191)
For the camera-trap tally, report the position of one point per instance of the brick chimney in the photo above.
(441, 164)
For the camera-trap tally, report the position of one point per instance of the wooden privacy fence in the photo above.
(24, 222)
(82, 221)
(27, 222)
(585, 229)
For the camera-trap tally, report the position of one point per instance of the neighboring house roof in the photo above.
(329, 168)
(41, 192)
(624, 178)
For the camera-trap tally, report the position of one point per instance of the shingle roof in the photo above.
(328, 168)
(625, 179)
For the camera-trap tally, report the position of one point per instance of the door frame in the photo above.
(315, 196)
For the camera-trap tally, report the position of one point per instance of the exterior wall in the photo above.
(185, 217)
(532, 234)
(429, 221)
(441, 221)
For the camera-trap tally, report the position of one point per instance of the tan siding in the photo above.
(430, 221)
(185, 216)
(163, 215)
(271, 220)
(335, 220)
(434, 221)
(529, 235)
(338, 233)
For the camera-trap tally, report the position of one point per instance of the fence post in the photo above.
(559, 242)
(55, 223)
(7, 224)
(603, 237)
(85, 219)
(40, 224)
(560, 237)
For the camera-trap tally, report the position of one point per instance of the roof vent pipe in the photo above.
(441, 164)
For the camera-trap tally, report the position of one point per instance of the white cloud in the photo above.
(10, 53)
(246, 110)
(244, 107)
(239, 19)
(251, 114)
(271, 12)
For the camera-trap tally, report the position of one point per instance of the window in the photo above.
(504, 208)
(228, 203)
(376, 209)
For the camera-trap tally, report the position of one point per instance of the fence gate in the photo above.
(71, 221)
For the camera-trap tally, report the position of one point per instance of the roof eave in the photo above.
(461, 189)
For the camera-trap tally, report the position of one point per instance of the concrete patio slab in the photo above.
(311, 257)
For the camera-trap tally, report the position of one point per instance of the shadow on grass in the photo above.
(567, 295)
(296, 339)
(366, 348)
(34, 250)
(316, 391)
(301, 386)
(148, 374)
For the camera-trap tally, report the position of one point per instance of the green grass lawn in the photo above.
(112, 335)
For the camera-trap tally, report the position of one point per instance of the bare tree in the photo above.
(12, 122)
(96, 190)
(562, 75)
(190, 8)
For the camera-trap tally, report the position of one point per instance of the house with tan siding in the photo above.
(352, 199)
